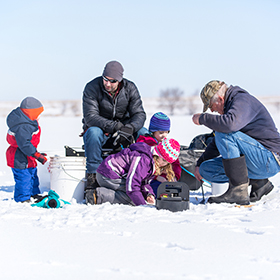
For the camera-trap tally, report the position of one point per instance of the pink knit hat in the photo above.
(168, 149)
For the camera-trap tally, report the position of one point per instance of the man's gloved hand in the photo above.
(124, 136)
(118, 126)
(41, 157)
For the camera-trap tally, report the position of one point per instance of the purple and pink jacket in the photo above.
(134, 163)
(151, 141)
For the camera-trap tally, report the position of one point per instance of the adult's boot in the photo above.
(260, 187)
(237, 173)
(90, 189)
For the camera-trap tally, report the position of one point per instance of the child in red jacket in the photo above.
(24, 136)
(158, 130)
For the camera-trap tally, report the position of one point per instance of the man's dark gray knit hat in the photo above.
(30, 103)
(113, 69)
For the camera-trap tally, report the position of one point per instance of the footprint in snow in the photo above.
(177, 247)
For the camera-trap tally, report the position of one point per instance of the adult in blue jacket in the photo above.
(246, 147)
(111, 104)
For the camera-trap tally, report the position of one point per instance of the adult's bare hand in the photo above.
(197, 174)
(195, 118)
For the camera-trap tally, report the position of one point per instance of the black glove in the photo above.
(38, 197)
(40, 157)
(118, 126)
(124, 136)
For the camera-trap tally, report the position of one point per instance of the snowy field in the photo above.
(124, 242)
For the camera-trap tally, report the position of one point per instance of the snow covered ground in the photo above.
(124, 242)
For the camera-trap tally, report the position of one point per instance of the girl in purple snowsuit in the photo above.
(124, 177)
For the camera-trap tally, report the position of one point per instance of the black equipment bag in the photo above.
(173, 196)
(188, 157)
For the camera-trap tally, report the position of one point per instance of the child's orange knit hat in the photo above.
(31, 107)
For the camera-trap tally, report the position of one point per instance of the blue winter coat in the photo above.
(242, 112)
(136, 164)
(23, 137)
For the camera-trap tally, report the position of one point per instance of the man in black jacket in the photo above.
(246, 147)
(112, 114)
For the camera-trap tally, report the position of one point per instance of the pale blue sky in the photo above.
(51, 49)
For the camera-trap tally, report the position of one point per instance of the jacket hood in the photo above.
(142, 148)
(17, 118)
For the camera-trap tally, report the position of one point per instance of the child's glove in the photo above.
(41, 157)
(124, 136)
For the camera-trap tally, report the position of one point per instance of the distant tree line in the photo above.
(173, 99)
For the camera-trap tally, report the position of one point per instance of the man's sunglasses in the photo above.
(112, 81)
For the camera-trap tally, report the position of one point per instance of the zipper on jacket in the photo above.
(114, 110)
(114, 103)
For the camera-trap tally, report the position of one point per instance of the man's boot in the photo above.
(91, 185)
(260, 187)
(237, 173)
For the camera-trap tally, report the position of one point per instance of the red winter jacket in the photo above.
(23, 136)
(151, 141)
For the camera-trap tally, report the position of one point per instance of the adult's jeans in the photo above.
(261, 163)
(94, 140)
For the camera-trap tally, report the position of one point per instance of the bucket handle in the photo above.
(84, 180)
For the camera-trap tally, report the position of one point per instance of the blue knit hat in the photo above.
(159, 122)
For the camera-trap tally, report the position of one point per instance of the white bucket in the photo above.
(219, 189)
(44, 176)
(68, 177)
(44, 170)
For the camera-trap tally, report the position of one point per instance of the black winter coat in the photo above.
(102, 110)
